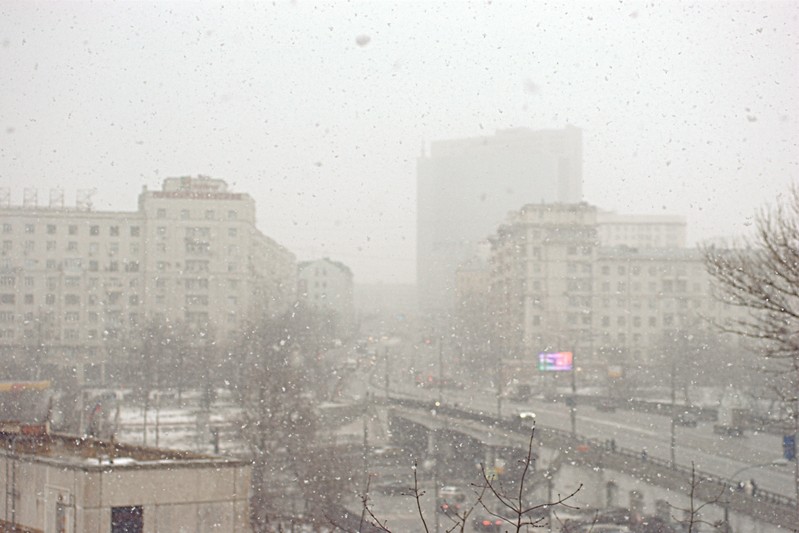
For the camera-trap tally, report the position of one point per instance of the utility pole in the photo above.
(673, 443)
(366, 438)
(440, 369)
(388, 373)
(573, 407)
(499, 388)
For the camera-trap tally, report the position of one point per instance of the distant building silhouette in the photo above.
(467, 186)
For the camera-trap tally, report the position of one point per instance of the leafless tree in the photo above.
(760, 277)
(692, 517)
(276, 387)
(512, 509)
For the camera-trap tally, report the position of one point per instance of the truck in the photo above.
(732, 421)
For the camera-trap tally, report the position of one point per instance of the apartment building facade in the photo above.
(328, 286)
(641, 231)
(74, 282)
(555, 286)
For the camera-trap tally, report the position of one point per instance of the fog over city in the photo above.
(320, 110)
(399, 266)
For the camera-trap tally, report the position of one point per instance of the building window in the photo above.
(7, 246)
(93, 266)
(135, 231)
(7, 298)
(49, 299)
(94, 230)
(133, 299)
(209, 214)
(113, 231)
(162, 231)
(73, 229)
(160, 213)
(72, 281)
(184, 214)
(50, 246)
(29, 246)
(72, 316)
(30, 228)
(232, 232)
(71, 299)
(127, 519)
(7, 228)
(29, 281)
(113, 266)
(51, 229)
(72, 246)
(7, 281)
(50, 264)
(232, 215)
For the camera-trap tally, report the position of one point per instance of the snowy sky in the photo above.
(319, 110)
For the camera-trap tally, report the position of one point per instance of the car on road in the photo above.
(486, 522)
(525, 418)
(686, 419)
(451, 499)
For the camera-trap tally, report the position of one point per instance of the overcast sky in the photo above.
(319, 111)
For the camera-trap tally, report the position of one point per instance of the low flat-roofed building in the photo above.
(59, 483)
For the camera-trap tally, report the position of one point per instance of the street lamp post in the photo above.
(440, 369)
(573, 406)
(388, 372)
(673, 441)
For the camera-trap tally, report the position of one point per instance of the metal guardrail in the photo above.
(625, 456)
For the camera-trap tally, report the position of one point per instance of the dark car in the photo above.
(686, 419)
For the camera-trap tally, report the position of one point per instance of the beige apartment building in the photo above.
(75, 281)
(641, 231)
(555, 286)
(328, 286)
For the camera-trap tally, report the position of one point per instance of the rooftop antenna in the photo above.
(30, 198)
(57, 198)
(83, 199)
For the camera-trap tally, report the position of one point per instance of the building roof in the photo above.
(87, 453)
(341, 266)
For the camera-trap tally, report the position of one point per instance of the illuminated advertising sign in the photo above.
(555, 362)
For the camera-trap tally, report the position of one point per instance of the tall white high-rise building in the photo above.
(466, 187)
